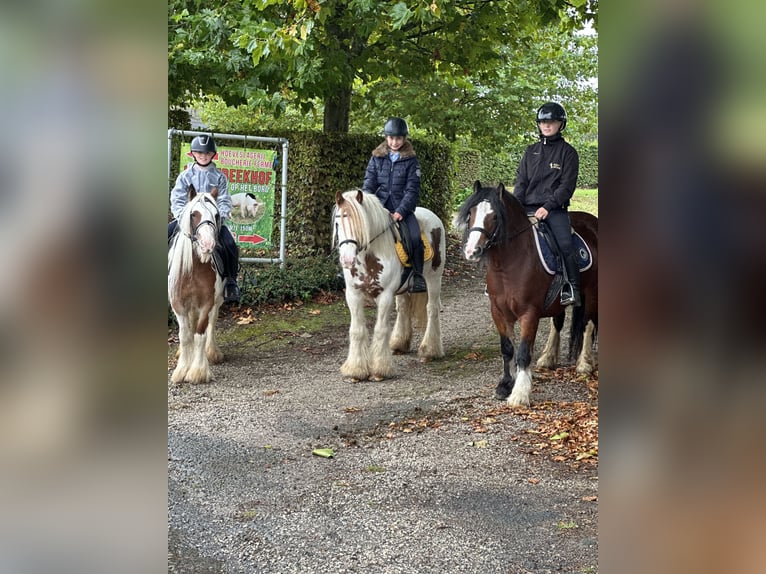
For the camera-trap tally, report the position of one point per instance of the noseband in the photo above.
(492, 237)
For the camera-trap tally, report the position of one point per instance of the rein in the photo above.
(370, 242)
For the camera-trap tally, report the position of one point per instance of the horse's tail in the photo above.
(577, 330)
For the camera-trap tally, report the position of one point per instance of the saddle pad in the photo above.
(548, 257)
(428, 251)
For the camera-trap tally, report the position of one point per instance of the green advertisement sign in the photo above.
(252, 182)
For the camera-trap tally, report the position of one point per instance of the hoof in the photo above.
(376, 378)
(514, 402)
(503, 391)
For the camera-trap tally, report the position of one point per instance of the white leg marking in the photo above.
(550, 355)
(522, 389)
(585, 362)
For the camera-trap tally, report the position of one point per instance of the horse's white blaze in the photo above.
(522, 389)
(483, 210)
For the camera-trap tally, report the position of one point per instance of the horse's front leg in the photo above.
(505, 386)
(185, 348)
(522, 389)
(380, 350)
(550, 355)
(357, 364)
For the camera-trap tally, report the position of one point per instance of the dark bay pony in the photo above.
(195, 287)
(498, 231)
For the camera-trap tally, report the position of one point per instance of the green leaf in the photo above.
(324, 452)
(400, 14)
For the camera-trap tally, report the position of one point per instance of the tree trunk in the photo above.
(337, 108)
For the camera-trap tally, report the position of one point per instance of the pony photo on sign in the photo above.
(365, 234)
(195, 287)
(248, 205)
(498, 231)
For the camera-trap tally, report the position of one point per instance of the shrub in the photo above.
(299, 279)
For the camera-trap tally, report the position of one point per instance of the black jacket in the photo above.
(397, 184)
(547, 174)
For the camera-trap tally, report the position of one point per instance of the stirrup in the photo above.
(418, 283)
(569, 295)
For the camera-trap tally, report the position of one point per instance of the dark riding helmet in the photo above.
(552, 111)
(395, 127)
(203, 144)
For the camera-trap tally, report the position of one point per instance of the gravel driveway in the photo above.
(416, 484)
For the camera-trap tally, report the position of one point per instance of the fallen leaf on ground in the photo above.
(324, 452)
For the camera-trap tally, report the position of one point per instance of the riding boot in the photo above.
(570, 292)
(418, 282)
(230, 254)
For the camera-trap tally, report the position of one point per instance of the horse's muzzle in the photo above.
(474, 253)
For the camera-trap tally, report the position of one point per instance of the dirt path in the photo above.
(430, 473)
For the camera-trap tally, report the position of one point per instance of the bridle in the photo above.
(215, 223)
(492, 237)
(360, 248)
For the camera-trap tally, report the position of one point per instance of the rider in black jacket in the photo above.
(545, 181)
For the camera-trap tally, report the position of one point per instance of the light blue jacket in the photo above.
(203, 181)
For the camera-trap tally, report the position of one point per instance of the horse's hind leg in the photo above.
(431, 346)
(401, 337)
(212, 350)
(550, 355)
(505, 386)
(585, 362)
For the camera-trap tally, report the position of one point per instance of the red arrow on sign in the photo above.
(251, 238)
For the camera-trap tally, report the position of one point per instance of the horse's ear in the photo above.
(476, 186)
(338, 197)
(500, 189)
(192, 192)
(359, 195)
(214, 192)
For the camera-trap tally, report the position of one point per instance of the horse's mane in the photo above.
(504, 204)
(366, 219)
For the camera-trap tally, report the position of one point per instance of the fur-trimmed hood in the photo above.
(404, 152)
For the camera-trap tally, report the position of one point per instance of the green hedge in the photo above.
(320, 164)
(493, 169)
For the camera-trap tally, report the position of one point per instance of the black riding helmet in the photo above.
(552, 111)
(203, 144)
(395, 127)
